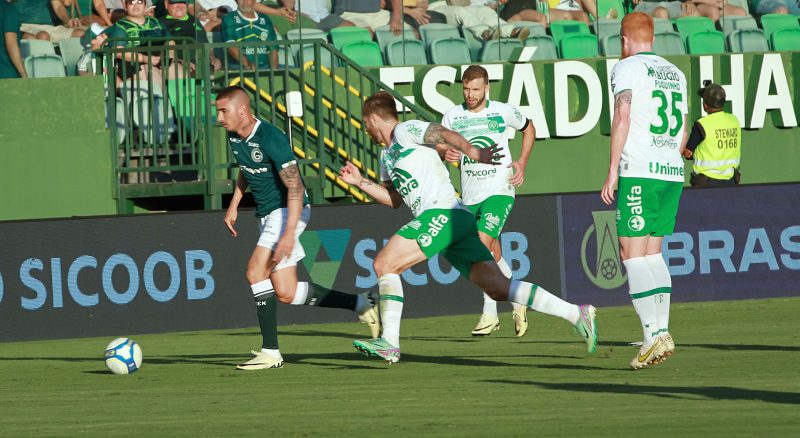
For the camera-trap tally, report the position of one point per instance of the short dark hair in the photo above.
(381, 103)
(232, 91)
(475, 72)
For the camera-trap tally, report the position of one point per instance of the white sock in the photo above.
(391, 290)
(273, 353)
(642, 290)
(506, 270)
(663, 281)
(540, 300)
(263, 287)
(489, 305)
(300, 294)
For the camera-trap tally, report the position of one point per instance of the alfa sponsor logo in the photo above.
(425, 240)
(606, 272)
(634, 204)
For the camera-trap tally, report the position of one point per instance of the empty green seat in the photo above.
(44, 66)
(408, 52)
(560, 29)
(785, 39)
(364, 53)
(71, 50)
(604, 27)
(384, 35)
(710, 42)
(605, 8)
(499, 50)
(662, 25)
(611, 45)
(35, 47)
(772, 23)
(735, 22)
(450, 51)
(545, 47)
(578, 46)
(340, 36)
(747, 40)
(668, 43)
(306, 33)
(689, 25)
(326, 58)
(436, 31)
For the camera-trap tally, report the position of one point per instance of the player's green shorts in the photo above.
(647, 207)
(492, 213)
(451, 232)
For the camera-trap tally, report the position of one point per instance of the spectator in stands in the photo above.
(210, 12)
(11, 65)
(38, 24)
(179, 23)
(777, 7)
(134, 26)
(319, 12)
(416, 14)
(669, 9)
(482, 21)
(713, 9)
(370, 13)
(520, 10)
(246, 25)
(577, 10)
(115, 9)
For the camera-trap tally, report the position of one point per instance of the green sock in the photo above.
(322, 296)
(266, 307)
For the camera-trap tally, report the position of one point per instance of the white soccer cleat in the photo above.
(520, 315)
(486, 325)
(260, 361)
(649, 355)
(370, 316)
(669, 346)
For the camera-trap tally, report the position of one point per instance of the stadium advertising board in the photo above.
(116, 276)
(570, 98)
(731, 243)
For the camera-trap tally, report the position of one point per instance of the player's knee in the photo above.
(254, 275)
(383, 266)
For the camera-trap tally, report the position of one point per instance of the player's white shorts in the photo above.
(272, 226)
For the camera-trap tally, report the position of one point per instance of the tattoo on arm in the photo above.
(290, 176)
(434, 134)
(365, 182)
(623, 97)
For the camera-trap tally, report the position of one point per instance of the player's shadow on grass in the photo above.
(723, 347)
(681, 392)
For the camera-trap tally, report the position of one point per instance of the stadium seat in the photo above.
(772, 23)
(384, 35)
(785, 39)
(499, 50)
(305, 33)
(668, 43)
(340, 36)
(533, 27)
(35, 47)
(561, 28)
(159, 115)
(578, 46)
(545, 47)
(611, 45)
(450, 51)
(689, 25)
(307, 54)
(286, 56)
(183, 98)
(71, 50)
(44, 66)
(475, 45)
(436, 31)
(710, 42)
(747, 40)
(604, 8)
(364, 53)
(408, 52)
(605, 27)
(662, 25)
(734, 22)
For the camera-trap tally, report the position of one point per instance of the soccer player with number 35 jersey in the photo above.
(648, 135)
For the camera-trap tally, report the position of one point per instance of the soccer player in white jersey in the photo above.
(487, 190)
(648, 135)
(412, 173)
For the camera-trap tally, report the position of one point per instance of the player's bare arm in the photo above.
(528, 138)
(620, 126)
(233, 208)
(685, 140)
(382, 193)
(295, 193)
(437, 134)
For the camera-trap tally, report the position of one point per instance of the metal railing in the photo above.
(166, 142)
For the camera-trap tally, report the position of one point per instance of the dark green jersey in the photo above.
(9, 23)
(238, 28)
(125, 28)
(260, 157)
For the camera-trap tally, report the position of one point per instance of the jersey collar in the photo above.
(255, 128)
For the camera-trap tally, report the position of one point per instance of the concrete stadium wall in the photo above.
(116, 276)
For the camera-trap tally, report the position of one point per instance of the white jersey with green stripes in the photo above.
(658, 104)
(495, 124)
(416, 171)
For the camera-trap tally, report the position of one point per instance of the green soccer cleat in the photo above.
(261, 361)
(520, 315)
(378, 348)
(370, 317)
(486, 325)
(586, 326)
(651, 355)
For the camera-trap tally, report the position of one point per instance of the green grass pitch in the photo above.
(735, 373)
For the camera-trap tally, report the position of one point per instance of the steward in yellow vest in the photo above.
(715, 142)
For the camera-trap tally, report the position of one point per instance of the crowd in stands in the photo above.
(251, 20)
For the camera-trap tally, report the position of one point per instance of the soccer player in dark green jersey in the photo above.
(268, 166)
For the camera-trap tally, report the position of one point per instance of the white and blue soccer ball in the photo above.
(123, 356)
